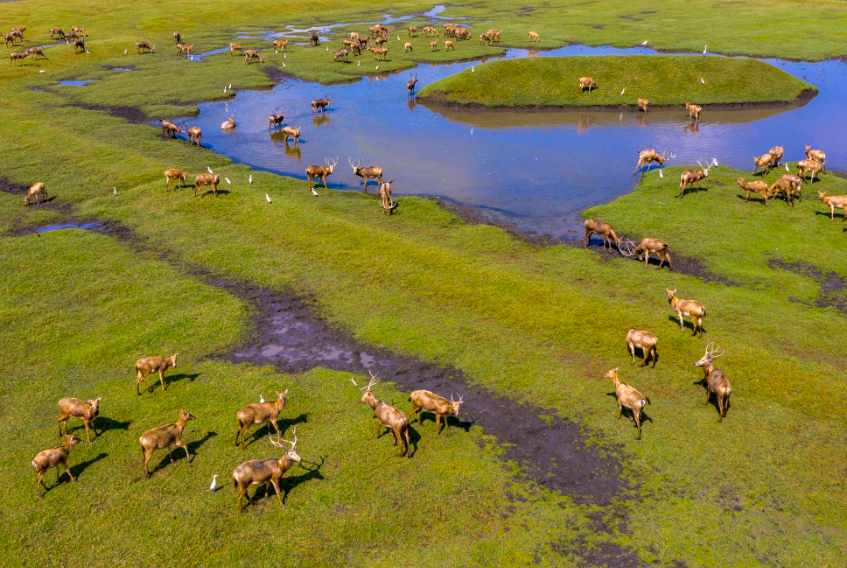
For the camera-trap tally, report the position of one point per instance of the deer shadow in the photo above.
(284, 424)
(686, 324)
(181, 376)
(453, 421)
(752, 198)
(827, 214)
(179, 453)
(286, 484)
(689, 190)
(105, 424)
(77, 469)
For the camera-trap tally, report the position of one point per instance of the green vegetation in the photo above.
(621, 80)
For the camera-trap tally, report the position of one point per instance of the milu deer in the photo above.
(379, 51)
(494, 34)
(587, 82)
(280, 44)
(628, 397)
(147, 365)
(183, 48)
(229, 124)
(195, 135)
(203, 180)
(371, 172)
(429, 30)
(341, 55)
(37, 192)
(818, 155)
(175, 174)
(533, 36)
(691, 308)
(598, 227)
(320, 172)
(380, 41)
(251, 54)
(54, 457)
(834, 201)
(655, 246)
(165, 436)
(275, 120)
(319, 105)
(806, 166)
(233, 47)
(385, 200)
(76, 408)
(315, 40)
(448, 45)
(716, 382)
(352, 46)
(261, 472)
(259, 413)
(18, 56)
(57, 33)
(9, 39)
(647, 157)
(777, 152)
(407, 47)
(689, 177)
(291, 132)
(139, 45)
(355, 36)
(484, 39)
(410, 85)
(757, 186)
(646, 341)
(413, 31)
(433, 45)
(35, 51)
(693, 111)
(643, 104)
(177, 38)
(788, 185)
(79, 46)
(386, 416)
(763, 164)
(171, 129)
(79, 30)
(426, 401)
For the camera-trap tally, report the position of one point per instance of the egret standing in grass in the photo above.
(261, 398)
(214, 483)
(251, 178)
(210, 170)
(268, 197)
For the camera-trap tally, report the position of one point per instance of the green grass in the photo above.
(621, 80)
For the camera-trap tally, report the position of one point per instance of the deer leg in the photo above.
(69, 471)
(646, 258)
(162, 379)
(437, 424)
(655, 357)
(147, 455)
(631, 349)
(620, 409)
(170, 454)
(637, 416)
(415, 408)
(378, 428)
(184, 447)
(408, 444)
(39, 483)
(681, 323)
(59, 421)
(238, 499)
(647, 355)
(87, 437)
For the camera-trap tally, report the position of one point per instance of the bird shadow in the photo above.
(284, 424)
(77, 469)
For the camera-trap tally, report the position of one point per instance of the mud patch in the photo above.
(475, 217)
(131, 114)
(833, 293)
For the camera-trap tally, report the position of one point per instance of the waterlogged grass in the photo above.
(621, 80)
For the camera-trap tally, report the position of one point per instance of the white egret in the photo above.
(214, 483)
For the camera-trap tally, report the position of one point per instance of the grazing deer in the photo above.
(413, 31)
(78, 30)
(366, 173)
(233, 47)
(647, 157)
(533, 36)
(76, 408)
(646, 341)
(691, 308)
(169, 128)
(185, 48)
(693, 110)
(175, 174)
(363, 43)
(754, 187)
(259, 413)
(787, 184)
(229, 124)
(433, 45)
(643, 104)
(689, 177)
(656, 246)
(280, 44)
(207, 179)
(139, 45)
(818, 155)
(463, 33)
(251, 54)
(628, 397)
(587, 82)
(341, 54)
(291, 132)
(377, 51)
(261, 472)
(195, 135)
(354, 36)
(485, 39)
(275, 120)
(385, 198)
(407, 47)
(320, 172)
(380, 40)
(9, 39)
(33, 51)
(69, 36)
(37, 192)
(806, 166)
(18, 55)
(352, 46)
(410, 85)
(319, 105)
(53, 458)
(375, 30)
(57, 32)
(315, 40)
(386, 415)
(426, 401)
(147, 365)
(177, 38)
(716, 382)
(18, 34)
(449, 30)
(598, 227)
(429, 30)
(165, 437)
(448, 45)
(763, 163)
(777, 152)
(494, 34)
(834, 201)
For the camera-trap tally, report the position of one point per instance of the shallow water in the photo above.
(75, 83)
(63, 226)
(536, 169)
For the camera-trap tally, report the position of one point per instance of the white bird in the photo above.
(251, 178)
(214, 483)
(377, 67)
(42, 71)
(472, 70)
(268, 197)
(623, 90)
(786, 167)
(358, 64)
(660, 174)
(224, 89)
(644, 42)
(210, 170)
(702, 81)
(125, 52)
(398, 38)
(327, 48)
(283, 63)
(715, 161)
(284, 56)
(315, 193)
(227, 181)
(261, 398)
(115, 189)
(230, 86)
(88, 52)
(704, 49)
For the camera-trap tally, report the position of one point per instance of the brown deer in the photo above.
(352, 46)
(429, 30)
(763, 163)
(587, 82)
(787, 184)
(413, 31)
(341, 54)
(54, 457)
(598, 227)
(18, 56)
(363, 43)
(643, 104)
(275, 120)
(9, 39)
(834, 201)
(716, 382)
(185, 48)
(33, 51)
(261, 472)
(169, 128)
(229, 124)
(78, 30)
(463, 33)
(494, 34)
(448, 45)
(410, 85)
(818, 155)
(195, 135)
(806, 166)
(628, 397)
(233, 47)
(385, 198)
(165, 437)
(379, 51)
(655, 246)
(57, 32)
(533, 36)
(251, 54)
(689, 177)
(426, 401)
(449, 29)
(371, 172)
(177, 38)
(319, 105)
(36, 191)
(693, 110)
(378, 30)
(647, 157)
(315, 40)
(291, 132)
(76, 408)
(147, 365)
(754, 187)
(386, 415)
(777, 152)
(175, 174)
(407, 47)
(646, 341)
(139, 45)
(484, 39)
(69, 36)
(320, 172)
(17, 34)
(355, 36)
(280, 44)
(259, 413)
(433, 45)
(204, 180)
(380, 41)
(691, 308)
(79, 46)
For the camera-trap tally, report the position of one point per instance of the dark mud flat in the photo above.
(130, 114)
(833, 286)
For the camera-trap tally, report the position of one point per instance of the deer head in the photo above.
(290, 453)
(367, 392)
(671, 294)
(711, 353)
(456, 404)
(357, 166)
(613, 374)
(172, 360)
(331, 164)
(705, 169)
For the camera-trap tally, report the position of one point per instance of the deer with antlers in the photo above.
(229, 124)
(36, 192)
(628, 397)
(754, 187)
(691, 308)
(379, 52)
(777, 152)
(385, 200)
(175, 174)
(54, 457)
(262, 472)
(366, 173)
(259, 413)
(275, 120)
(716, 382)
(386, 415)
(320, 172)
(834, 201)
(319, 105)
(75, 408)
(147, 365)
(251, 54)
(818, 155)
(646, 341)
(426, 401)
(788, 185)
(195, 135)
(588, 82)
(647, 157)
(165, 436)
(139, 45)
(291, 132)
(203, 180)
(280, 44)
(689, 177)
(598, 227)
(806, 166)
(233, 47)
(533, 36)
(410, 85)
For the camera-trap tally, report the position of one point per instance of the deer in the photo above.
(16, 33)
(628, 397)
(229, 124)
(316, 172)
(275, 120)
(261, 472)
(355, 36)
(18, 56)
(806, 166)
(484, 39)
(165, 437)
(818, 155)
(598, 227)
(646, 341)
(494, 34)
(341, 54)
(363, 42)
(366, 173)
(789, 185)
(175, 174)
(71, 35)
(533, 36)
(693, 110)
(280, 44)
(319, 105)
(380, 41)
(834, 201)
(251, 54)
(377, 51)
(54, 457)
(36, 191)
(386, 415)
(204, 180)
(754, 187)
(587, 82)
(716, 382)
(429, 30)
(410, 85)
(385, 198)
(233, 47)
(9, 39)
(449, 30)
(78, 30)
(185, 48)
(139, 45)
(169, 128)
(448, 45)
(647, 157)
(291, 132)
(352, 46)
(57, 32)
(147, 365)
(656, 246)
(689, 177)
(195, 135)
(259, 413)
(463, 33)
(314, 39)
(433, 45)
(691, 308)
(426, 401)
(33, 51)
(413, 31)
(407, 47)
(177, 38)
(643, 104)
(777, 152)
(76, 408)
(378, 29)
(763, 163)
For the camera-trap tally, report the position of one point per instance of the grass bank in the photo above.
(621, 80)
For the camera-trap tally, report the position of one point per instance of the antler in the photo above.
(279, 445)
(350, 161)
(627, 248)
(710, 351)
(452, 399)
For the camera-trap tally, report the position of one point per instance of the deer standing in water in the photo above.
(165, 437)
(275, 120)
(76, 408)
(818, 155)
(54, 457)
(259, 413)
(647, 157)
(147, 365)
(385, 198)
(754, 187)
(410, 85)
(598, 227)
(229, 124)
(587, 82)
(646, 341)
(320, 172)
(291, 132)
(693, 110)
(36, 192)
(371, 172)
(689, 177)
(175, 174)
(691, 308)
(629, 398)
(426, 401)
(643, 104)
(386, 416)
(716, 382)
(261, 472)
(319, 105)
